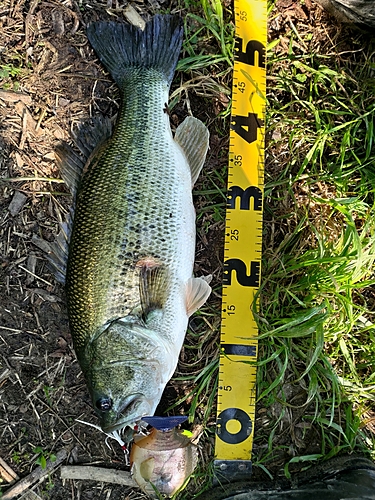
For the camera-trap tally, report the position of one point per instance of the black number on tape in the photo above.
(234, 414)
(239, 267)
(248, 56)
(251, 193)
(247, 126)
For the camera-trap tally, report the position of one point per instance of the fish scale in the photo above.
(124, 214)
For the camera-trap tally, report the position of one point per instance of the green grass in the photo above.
(207, 57)
(209, 37)
(316, 314)
(12, 69)
(315, 311)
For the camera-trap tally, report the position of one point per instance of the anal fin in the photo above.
(70, 165)
(197, 292)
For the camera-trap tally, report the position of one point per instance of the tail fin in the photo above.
(124, 47)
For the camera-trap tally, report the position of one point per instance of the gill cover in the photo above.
(127, 366)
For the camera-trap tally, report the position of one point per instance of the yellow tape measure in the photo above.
(243, 242)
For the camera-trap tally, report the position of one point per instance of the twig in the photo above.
(97, 474)
(7, 472)
(35, 276)
(36, 476)
(3, 376)
(15, 330)
(29, 17)
(21, 179)
(68, 428)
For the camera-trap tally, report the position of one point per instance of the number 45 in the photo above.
(241, 86)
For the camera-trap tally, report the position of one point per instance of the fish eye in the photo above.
(104, 404)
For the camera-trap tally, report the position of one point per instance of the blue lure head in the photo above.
(164, 424)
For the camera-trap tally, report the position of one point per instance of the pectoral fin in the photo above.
(154, 284)
(197, 292)
(193, 137)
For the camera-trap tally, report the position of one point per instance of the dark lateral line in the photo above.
(239, 349)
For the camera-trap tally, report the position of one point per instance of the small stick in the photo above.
(3, 376)
(7, 472)
(35, 276)
(36, 475)
(42, 115)
(24, 129)
(97, 474)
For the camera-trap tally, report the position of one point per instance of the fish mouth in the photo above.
(132, 410)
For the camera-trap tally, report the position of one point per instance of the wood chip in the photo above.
(40, 243)
(58, 132)
(36, 475)
(29, 124)
(97, 474)
(134, 18)
(31, 266)
(8, 96)
(17, 203)
(50, 156)
(19, 160)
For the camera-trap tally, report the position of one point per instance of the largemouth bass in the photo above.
(129, 283)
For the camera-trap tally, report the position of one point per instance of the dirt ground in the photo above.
(42, 391)
(59, 84)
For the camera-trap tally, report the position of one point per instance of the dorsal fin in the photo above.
(89, 138)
